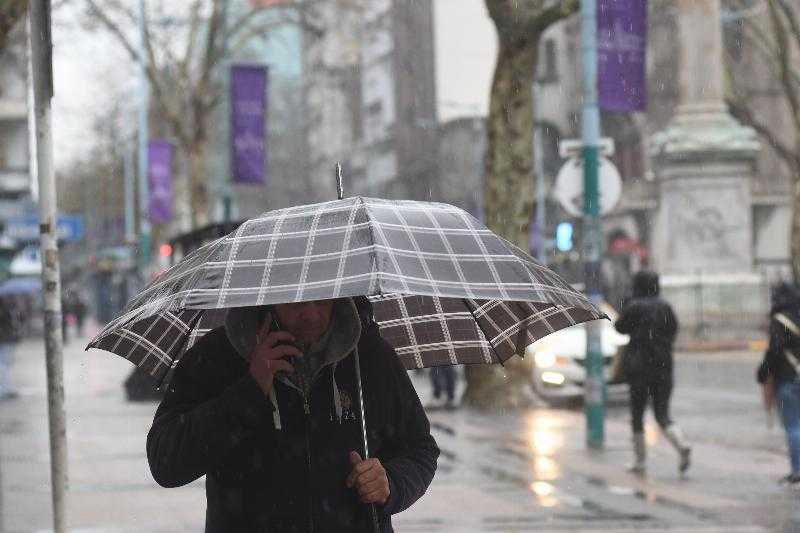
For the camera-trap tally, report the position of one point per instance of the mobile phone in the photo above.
(275, 325)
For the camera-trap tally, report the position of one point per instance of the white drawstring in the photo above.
(276, 412)
(337, 401)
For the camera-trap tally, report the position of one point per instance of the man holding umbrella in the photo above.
(270, 403)
(266, 408)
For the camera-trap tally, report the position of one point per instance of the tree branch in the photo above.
(791, 17)
(552, 14)
(11, 12)
(191, 41)
(741, 112)
(784, 61)
(151, 70)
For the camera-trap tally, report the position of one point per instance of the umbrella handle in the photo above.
(373, 511)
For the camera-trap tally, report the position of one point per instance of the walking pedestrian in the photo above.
(647, 365)
(9, 336)
(780, 368)
(443, 380)
(267, 409)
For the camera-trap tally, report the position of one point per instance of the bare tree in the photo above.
(509, 185)
(184, 53)
(772, 30)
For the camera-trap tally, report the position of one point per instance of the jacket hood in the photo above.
(785, 297)
(645, 284)
(242, 325)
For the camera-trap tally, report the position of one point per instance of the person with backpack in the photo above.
(779, 370)
(647, 365)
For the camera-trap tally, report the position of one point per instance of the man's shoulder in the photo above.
(212, 349)
(372, 341)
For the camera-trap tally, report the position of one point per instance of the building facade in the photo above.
(371, 96)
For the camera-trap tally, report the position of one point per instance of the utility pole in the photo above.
(144, 134)
(538, 166)
(595, 390)
(41, 64)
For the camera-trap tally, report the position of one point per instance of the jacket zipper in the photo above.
(307, 410)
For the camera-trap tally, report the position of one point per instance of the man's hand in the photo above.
(266, 358)
(369, 479)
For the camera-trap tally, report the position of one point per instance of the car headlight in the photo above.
(553, 378)
(545, 359)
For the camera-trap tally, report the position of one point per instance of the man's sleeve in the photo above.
(778, 339)
(628, 320)
(194, 431)
(410, 471)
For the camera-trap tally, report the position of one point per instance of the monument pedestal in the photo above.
(703, 232)
(704, 162)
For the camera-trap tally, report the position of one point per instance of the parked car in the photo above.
(559, 362)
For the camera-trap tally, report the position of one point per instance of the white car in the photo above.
(559, 362)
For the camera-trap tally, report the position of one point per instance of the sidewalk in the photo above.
(531, 471)
(515, 471)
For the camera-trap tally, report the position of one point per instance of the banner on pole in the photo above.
(621, 54)
(159, 157)
(248, 123)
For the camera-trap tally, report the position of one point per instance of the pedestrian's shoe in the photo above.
(792, 480)
(640, 453)
(686, 460)
(9, 395)
(675, 437)
(449, 404)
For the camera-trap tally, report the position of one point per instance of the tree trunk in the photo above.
(198, 185)
(509, 193)
(795, 235)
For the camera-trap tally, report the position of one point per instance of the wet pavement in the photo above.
(513, 471)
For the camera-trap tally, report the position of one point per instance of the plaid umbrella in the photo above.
(445, 289)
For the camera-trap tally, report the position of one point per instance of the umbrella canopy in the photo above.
(22, 285)
(445, 289)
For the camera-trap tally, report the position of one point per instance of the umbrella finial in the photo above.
(339, 186)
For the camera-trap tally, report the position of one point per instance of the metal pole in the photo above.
(42, 70)
(538, 163)
(130, 201)
(357, 361)
(595, 390)
(339, 185)
(144, 186)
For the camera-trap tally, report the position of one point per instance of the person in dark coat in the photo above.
(647, 365)
(780, 368)
(9, 337)
(279, 440)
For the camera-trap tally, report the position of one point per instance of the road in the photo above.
(510, 471)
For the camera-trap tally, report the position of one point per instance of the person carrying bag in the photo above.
(779, 371)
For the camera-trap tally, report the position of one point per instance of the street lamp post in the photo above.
(592, 243)
(144, 186)
(41, 65)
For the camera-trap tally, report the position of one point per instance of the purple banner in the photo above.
(621, 53)
(159, 159)
(248, 123)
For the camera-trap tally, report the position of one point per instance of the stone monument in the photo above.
(704, 162)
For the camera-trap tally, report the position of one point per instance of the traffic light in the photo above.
(564, 233)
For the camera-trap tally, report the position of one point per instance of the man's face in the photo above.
(307, 321)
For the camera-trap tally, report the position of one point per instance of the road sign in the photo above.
(26, 228)
(568, 188)
(574, 147)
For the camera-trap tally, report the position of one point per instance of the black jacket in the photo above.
(652, 327)
(215, 421)
(784, 335)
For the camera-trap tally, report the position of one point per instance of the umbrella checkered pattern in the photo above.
(445, 289)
